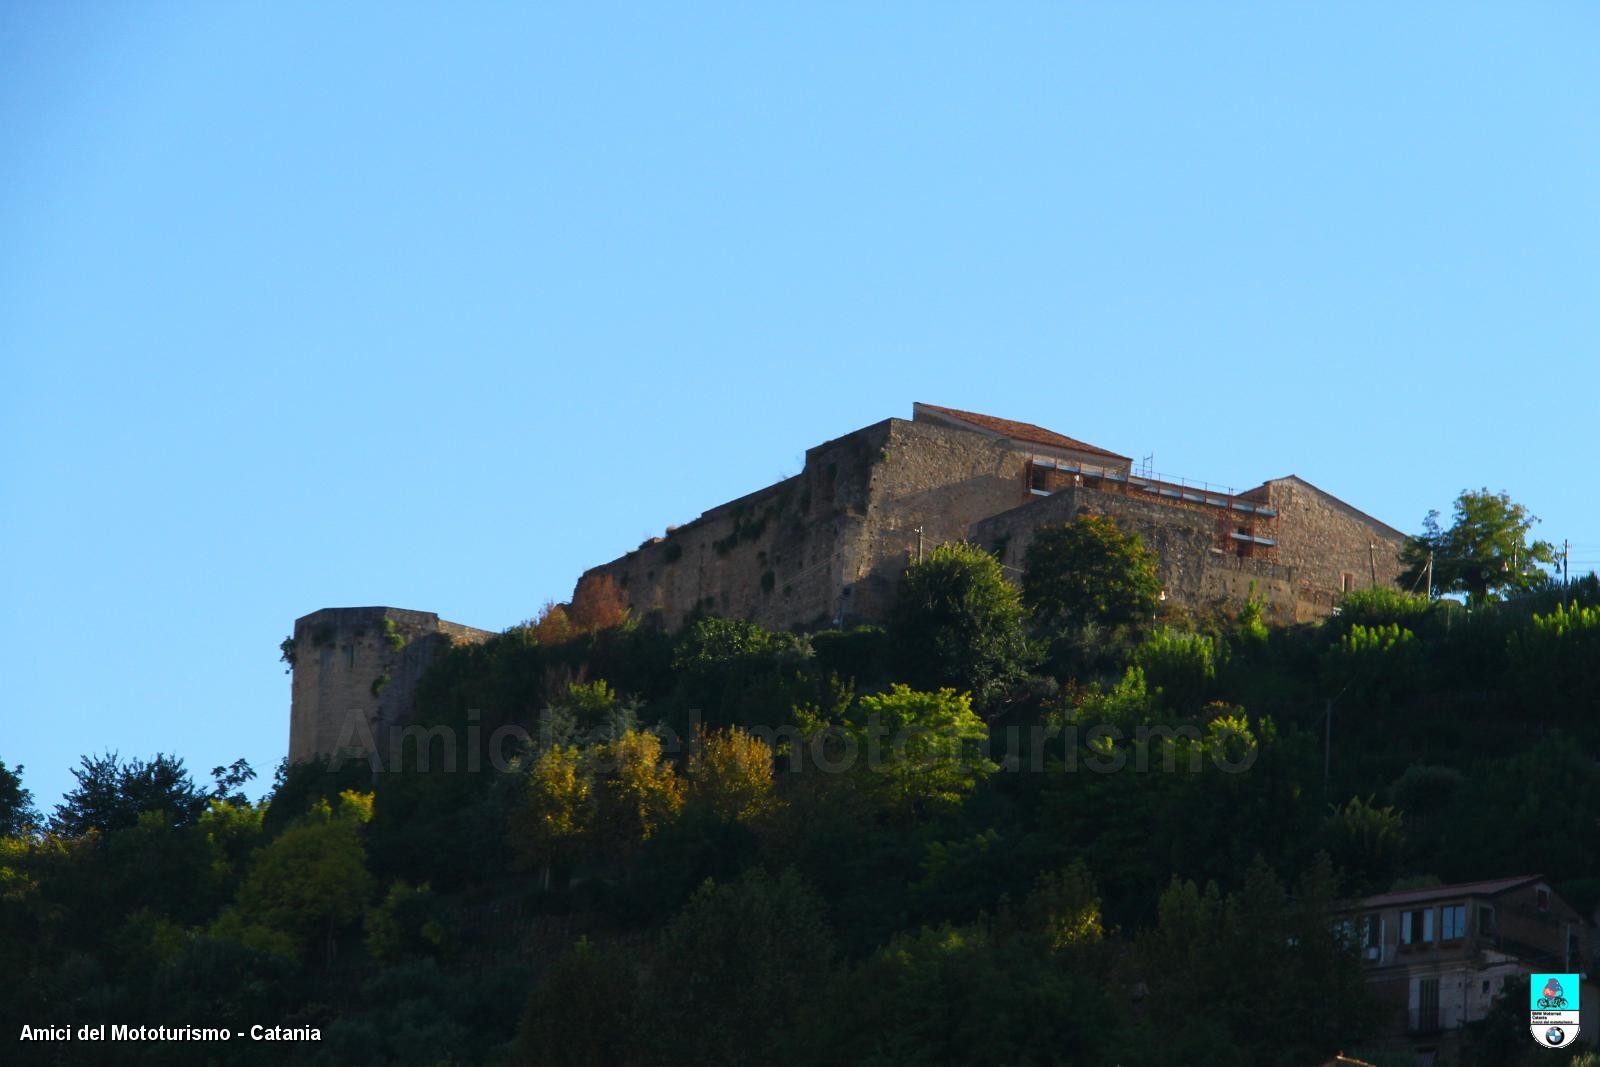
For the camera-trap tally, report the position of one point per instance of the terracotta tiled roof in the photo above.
(1464, 889)
(1025, 432)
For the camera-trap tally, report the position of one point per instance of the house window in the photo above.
(1416, 927)
(1542, 896)
(1427, 1004)
(1452, 922)
(1372, 933)
(1348, 581)
(1486, 927)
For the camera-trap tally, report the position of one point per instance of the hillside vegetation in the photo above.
(1031, 823)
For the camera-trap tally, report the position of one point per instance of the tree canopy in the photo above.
(111, 794)
(17, 814)
(1089, 570)
(1485, 553)
(958, 623)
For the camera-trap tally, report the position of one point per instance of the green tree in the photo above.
(17, 815)
(1181, 668)
(1379, 606)
(112, 794)
(307, 885)
(1555, 661)
(1485, 553)
(554, 817)
(1377, 665)
(581, 1012)
(411, 921)
(1089, 571)
(743, 962)
(588, 713)
(957, 622)
(922, 751)
(1225, 970)
(1367, 843)
(986, 992)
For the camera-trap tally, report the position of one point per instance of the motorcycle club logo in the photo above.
(1553, 1011)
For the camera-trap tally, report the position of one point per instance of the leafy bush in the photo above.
(958, 623)
(1378, 607)
(1181, 668)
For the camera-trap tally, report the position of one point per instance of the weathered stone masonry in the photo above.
(356, 672)
(828, 546)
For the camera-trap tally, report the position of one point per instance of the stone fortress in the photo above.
(827, 546)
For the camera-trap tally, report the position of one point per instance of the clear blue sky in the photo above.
(434, 306)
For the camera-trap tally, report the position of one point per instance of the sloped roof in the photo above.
(1354, 512)
(1026, 432)
(1463, 889)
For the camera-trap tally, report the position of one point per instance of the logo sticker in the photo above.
(1553, 1009)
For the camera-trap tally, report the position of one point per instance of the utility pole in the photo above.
(1566, 573)
(1430, 576)
(1372, 561)
(919, 544)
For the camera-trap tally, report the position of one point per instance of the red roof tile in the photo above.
(1021, 431)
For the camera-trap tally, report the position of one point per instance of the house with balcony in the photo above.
(1438, 957)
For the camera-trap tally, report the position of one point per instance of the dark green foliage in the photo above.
(996, 990)
(412, 922)
(1367, 844)
(1555, 661)
(740, 961)
(1375, 666)
(732, 673)
(297, 786)
(857, 654)
(1514, 815)
(1089, 571)
(417, 1014)
(1181, 668)
(937, 911)
(1226, 969)
(17, 814)
(580, 1013)
(957, 622)
(112, 794)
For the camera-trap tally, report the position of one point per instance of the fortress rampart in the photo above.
(356, 672)
(827, 547)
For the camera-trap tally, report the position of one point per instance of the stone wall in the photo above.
(1194, 572)
(942, 480)
(1333, 547)
(352, 681)
(773, 557)
(830, 543)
